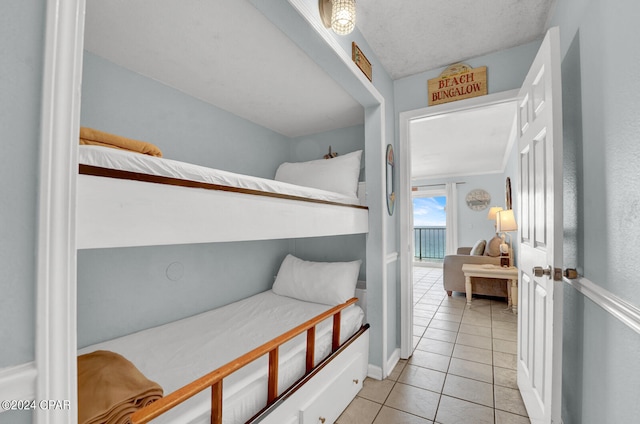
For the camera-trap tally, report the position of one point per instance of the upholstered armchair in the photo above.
(453, 278)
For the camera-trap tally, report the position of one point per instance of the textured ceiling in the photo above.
(226, 53)
(412, 36)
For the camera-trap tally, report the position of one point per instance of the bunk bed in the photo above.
(156, 201)
(295, 354)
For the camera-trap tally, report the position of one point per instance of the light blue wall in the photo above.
(505, 71)
(117, 100)
(474, 225)
(601, 374)
(125, 290)
(21, 50)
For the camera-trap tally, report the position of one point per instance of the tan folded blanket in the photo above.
(111, 388)
(89, 136)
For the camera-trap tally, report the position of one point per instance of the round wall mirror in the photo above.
(391, 177)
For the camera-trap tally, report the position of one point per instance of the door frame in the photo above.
(406, 202)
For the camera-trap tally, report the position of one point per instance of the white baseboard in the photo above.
(375, 371)
(18, 382)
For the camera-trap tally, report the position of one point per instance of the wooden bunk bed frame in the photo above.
(214, 379)
(118, 208)
(157, 210)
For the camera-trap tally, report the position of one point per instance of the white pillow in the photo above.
(339, 174)
(330, 283)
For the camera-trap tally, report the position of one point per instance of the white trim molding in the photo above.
(18, 382)
(619, 308)
(56, 350)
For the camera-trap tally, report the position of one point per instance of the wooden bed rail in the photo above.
(215, 377)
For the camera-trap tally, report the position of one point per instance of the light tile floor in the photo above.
(463, 368)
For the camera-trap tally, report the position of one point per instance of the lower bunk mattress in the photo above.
(179, 352)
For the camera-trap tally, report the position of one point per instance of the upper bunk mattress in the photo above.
(177, 353)
(105, 157)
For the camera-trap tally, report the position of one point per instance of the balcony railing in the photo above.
(429, 243)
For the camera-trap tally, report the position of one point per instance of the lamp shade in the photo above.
(492, 212)
(506, 221)
(343, 16)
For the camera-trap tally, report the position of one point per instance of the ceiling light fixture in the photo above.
(339, 15)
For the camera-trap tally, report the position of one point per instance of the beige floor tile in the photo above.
(509, 400)
(472, 354)
(505, 334)
(423, 378)
(479, 311)
(505, 377)
(503, 417)
(376, 390)
(505, 346)
(422, 321)
(435, 346)
(471, 390)
(413, 400)
(397, 370)
(452, 311)
(475, 330)
(439, 334)
(504, 360)
(469, 369)
(393, 416)
(457, 411)
(423, 313)
(444, 325)
(505, 316)
(359, 411)
(505, 325)
(430, 360)
(484, 334)
(474, 341)
(481, 321)
(448, 317)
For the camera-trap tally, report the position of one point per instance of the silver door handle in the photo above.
(538, 271)
(554, 273)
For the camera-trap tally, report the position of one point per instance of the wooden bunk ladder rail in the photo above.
(214, 378)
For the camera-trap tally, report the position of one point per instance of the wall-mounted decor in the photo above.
(478, 199)
(457, 82)
(508, 194)
(391, 177)
(361, 60)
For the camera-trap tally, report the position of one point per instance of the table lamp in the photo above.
(505, 223)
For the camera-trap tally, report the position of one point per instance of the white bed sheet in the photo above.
(106, 157)
(177, 353)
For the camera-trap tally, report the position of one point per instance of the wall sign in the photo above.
(361, 60)
(457, 82)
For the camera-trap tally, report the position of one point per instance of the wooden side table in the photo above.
(493, 271)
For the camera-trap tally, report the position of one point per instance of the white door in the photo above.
(540, 235)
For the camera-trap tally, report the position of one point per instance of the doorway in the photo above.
(408, 180)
